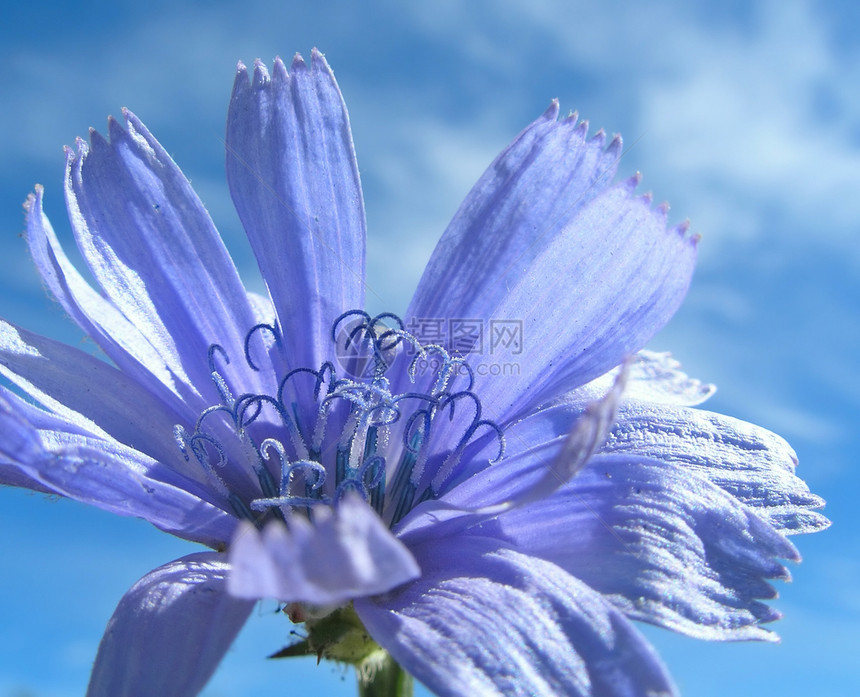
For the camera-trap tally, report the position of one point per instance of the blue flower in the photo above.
(494, 526)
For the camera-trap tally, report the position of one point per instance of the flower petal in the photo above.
(106, 474)
(294, 180)
(170, 631)
(657, 377)
(120, 339)
(527, 196)
(154, 250)
(751, 463)
(665, 545)
(620, 275)
(20, 444)
(483, 620)
(651, 377)
(338, 557)
(87, 391)
(125, 482)
(543, 463)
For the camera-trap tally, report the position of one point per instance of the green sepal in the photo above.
(341, 636)
(385, 679)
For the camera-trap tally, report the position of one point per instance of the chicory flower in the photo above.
(493, 530)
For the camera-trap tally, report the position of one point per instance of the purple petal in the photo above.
(88, 392)
(126, 482)
(665, 545)
(20, 444)
(106, 474)
(170, 631)
(120, 339)
(543, 463)
(96, 397)
(620, 273)
(656, 377)
(751, 463)
(338, 557)
(527, 196)
(488, 621)
(652, 377)
(152, 247)
(294, 179)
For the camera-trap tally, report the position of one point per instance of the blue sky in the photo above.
(745, 116)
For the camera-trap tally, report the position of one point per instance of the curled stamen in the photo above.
(211, 410)
(389, 409)
(388, 315)
(241, 407)
(276, 335)
(220, 383)
(493, 426)
(359, 483)
(213, 348)
(258, 400)
(288, 470)
(409, 435)
(223, 388)
(196, 443)
(449, 366)
(294, 372)
(399, 332)
(477, 421)
(448, 467)
(361, 327)
(450, 400)
(325, 369)
(377, 462)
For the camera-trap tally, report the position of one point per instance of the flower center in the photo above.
(388, 419)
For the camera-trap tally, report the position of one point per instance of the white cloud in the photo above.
(739, 116)
(742, 124)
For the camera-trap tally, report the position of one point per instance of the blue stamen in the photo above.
(293, 373)
(276, 335)
(211, 356)
(359, 484)
(212, 410)
(370, 441)
(375, 426)
(341, 318)
(241, 509)
(223, 388)
(341, 464)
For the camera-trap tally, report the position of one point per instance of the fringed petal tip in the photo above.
(262, 77)
(659, 212)
(78, 152)
(632, 182)
(361, 557)
(598, 138)
(261, 74)
(551, 112)
(298, 63)
(658, 377)
(34, 201)
(97, 141)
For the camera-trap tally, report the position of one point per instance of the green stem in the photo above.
(387, 680)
